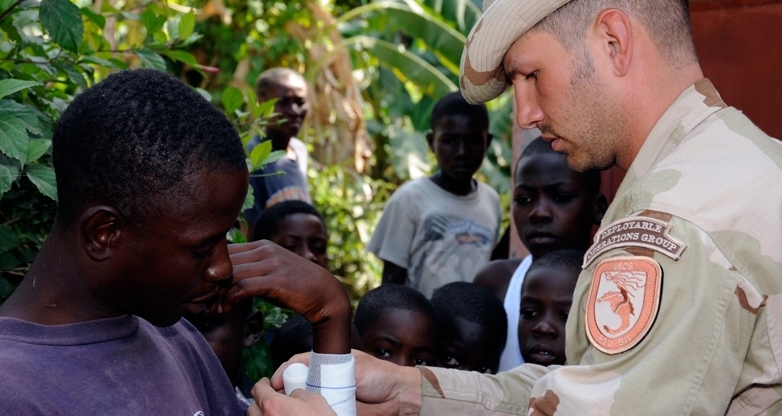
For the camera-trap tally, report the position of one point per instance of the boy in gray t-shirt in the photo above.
(442, 229)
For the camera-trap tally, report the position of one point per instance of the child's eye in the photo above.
(420, 361)
(532, 75)
(564, 316)
(522, 200)
(451, 361)
(319, 248)
(528, 313)
(562, 198)
(382, 353)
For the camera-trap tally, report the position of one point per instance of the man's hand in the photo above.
(281, 277)
(382, 388)
(268, 402)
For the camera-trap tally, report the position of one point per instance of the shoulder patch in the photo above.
(623, 302)
(640, 231)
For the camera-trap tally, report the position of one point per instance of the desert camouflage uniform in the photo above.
(716, 344)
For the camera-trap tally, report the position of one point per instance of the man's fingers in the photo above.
(276, 381)
(242, 247)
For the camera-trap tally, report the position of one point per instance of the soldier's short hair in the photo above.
(666, 21)
(274, 76)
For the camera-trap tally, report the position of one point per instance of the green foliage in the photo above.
(49, 52)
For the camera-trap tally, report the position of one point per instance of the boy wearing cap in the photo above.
(677, 307)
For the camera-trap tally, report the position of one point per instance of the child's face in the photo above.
(229, 334)
(468, 347)
(403, 337)
(546, 297)
(291, 105)
(459, 143)
(305, 235)
(552, 208)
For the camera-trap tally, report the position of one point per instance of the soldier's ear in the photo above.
(600, 207)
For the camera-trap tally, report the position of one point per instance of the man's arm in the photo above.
(281, 277)
(393, 273)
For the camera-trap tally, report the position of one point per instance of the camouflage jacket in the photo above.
(679, 307)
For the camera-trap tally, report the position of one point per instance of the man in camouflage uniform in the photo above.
(679, 307)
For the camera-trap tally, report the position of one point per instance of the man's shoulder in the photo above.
(725, 169)
(487, 190)
(496, 276)
(414, 189)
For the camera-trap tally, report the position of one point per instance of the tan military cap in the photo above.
(503, 22)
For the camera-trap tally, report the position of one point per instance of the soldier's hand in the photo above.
(382, 388)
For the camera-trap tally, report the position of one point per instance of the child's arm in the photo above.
(281, 277)
(393, 273)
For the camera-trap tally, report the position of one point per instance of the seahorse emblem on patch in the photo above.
(623, 302)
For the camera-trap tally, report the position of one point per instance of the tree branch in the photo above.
(7, 11)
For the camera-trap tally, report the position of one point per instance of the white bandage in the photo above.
(333, 376)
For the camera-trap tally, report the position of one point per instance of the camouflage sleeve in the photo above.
(647, 334)
(448, 392)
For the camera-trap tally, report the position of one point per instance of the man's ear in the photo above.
(600, 207)
(430, 140)
(615, 32)
(100, 227)
(253, 329)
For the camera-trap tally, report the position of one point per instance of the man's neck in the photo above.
(53, 292)
(649, 107)
(278, 142)
(454, 186)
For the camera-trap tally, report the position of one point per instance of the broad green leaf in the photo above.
(266, 108)
(27, 115)
(172, 25)
(10, 86)
(434, 33)
(151, 21)
(37, 148)
(182, 56)
(272, 157)
(249, 199)
(6, 25)
(8, 174)
(102, 62)
(8, 238)
(204, 93)
(259, 153)
(408, 65)
(7, 262)
(186, 25)
(232, 99)
(73, 75)
(150, 59)
(95, 17)
(13, 137)
(119, 64)
(43, 178)
(62, 19)
(462, 12)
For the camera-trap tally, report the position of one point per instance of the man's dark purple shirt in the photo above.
(116, 366)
